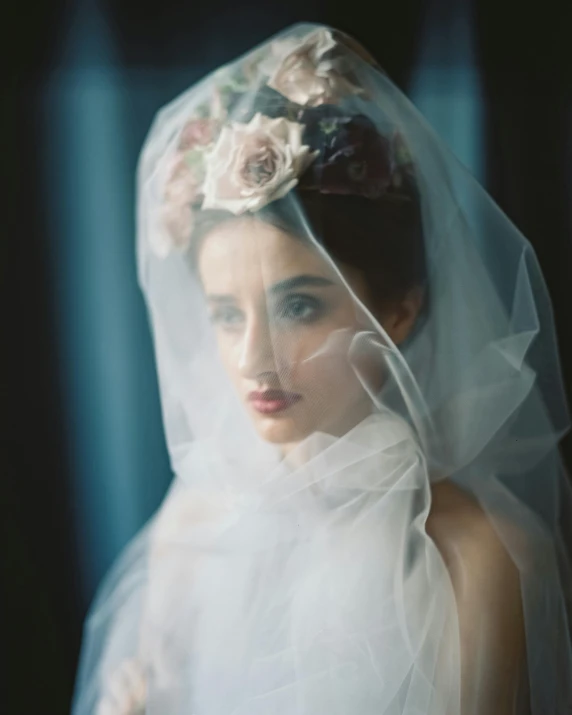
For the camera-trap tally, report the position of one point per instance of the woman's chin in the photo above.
(280, 428)
(294, 425)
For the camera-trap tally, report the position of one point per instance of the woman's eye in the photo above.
(300, 308)
(227, 316)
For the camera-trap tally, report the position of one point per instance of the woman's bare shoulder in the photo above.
(485, 578)
(486, 582)
(465, 534)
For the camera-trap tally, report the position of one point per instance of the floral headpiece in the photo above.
(309, 142)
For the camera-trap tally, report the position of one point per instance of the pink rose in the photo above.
(253, 164)
(196, 133)
(175, 222)
(312, 74)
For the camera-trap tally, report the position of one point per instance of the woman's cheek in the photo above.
(301, 357)
(324, 374)
(230, 352)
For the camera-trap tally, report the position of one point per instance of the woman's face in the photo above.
(284, 322)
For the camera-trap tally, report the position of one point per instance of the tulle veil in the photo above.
(310, 585)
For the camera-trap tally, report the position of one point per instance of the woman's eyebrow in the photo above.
(302, 281)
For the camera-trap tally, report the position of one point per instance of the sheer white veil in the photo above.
(324, 591)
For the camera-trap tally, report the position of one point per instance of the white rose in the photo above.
(311, 75)
(254, 164)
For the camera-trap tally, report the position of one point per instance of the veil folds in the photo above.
(309, 583)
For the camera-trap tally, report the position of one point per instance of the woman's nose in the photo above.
(256, 350)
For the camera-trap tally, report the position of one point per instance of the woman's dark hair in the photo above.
(381, 238)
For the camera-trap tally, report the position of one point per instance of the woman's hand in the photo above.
(125, 691)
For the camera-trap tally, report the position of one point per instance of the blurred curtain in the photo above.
(95, 118)
(446, 83)
(526, 58)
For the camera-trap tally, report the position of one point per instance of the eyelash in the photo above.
(288, 306)
(288, 309)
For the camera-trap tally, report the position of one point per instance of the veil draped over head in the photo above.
(304, 581)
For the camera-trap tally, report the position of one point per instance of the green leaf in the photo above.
(327, 126)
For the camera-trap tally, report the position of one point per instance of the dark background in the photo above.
(522, 54)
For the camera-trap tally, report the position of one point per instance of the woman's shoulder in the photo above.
(466, 536)
(486, 583)
(485, 578)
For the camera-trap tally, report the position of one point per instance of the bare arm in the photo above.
(487, 590)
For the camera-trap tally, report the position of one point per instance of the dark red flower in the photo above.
(354, 157)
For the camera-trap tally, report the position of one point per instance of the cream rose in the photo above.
(253, 164)
(311, 74)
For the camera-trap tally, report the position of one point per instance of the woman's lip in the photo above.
(271, 401)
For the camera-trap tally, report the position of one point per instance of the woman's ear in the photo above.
(398, 320)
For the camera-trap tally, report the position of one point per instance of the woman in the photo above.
(362, 402)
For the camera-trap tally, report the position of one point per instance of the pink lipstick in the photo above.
(268, 402)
